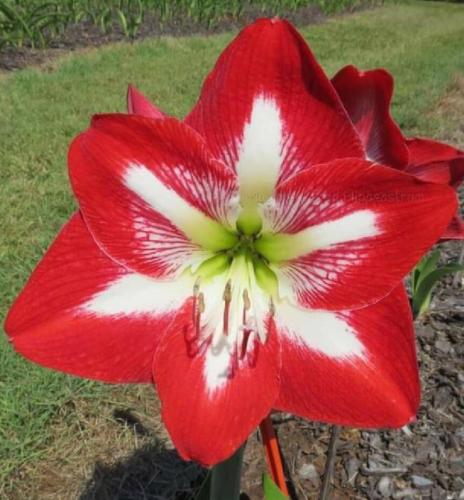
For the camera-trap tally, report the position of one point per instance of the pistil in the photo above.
(249, 221)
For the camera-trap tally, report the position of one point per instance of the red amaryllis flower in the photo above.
(366, 96)
(138, 104)
(247, 259)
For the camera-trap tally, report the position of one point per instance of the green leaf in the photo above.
(423, 294)
(271, 490)
(426, 266)
(15, 16)
(414, 279)
(105, 20)
(7, 11)
(49, 7)
(139, 17)
(122, 22)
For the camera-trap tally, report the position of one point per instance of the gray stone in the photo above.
(443, 346)
(421, 481)
(458, 483)
(459, 434)
(385, 486)
(439, 494)
(424, 450)
(425, 332)
(405, 494)
(352, 469)
(309, 471)
(443, 397)
(375, 440)
(456, 465)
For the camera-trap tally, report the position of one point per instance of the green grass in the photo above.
(41, 111)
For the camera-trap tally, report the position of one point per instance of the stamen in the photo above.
(246, 336)
(200, 311)
(246, 331)
(246, 305)
(198, 307)
(192, 334)
(196, 290)
(227, 297)
(271, 307)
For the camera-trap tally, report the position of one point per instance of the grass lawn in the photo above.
(41, 111)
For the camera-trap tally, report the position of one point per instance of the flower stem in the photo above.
(330, 462)
(225, 477)
(273, 456)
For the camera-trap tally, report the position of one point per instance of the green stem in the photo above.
(225, 477)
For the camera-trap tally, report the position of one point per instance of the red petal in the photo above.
(138, 104)
(143, 184)
(207, 423)
(367, 96)
(431, 172)
(455, 230)
(355, 368)
(268, 75)
(83, 314)
(350, 230)
(432, 155)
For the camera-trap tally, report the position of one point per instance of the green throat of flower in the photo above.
(235, 288)
(242, 259)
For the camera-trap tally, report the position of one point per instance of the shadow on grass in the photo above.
(150, 473)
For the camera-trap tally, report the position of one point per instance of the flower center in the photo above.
(234, 293)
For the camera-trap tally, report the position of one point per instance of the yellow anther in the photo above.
(271, 307)
(196, 287)
(201, 303)
(246, 300)
(227, 296)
